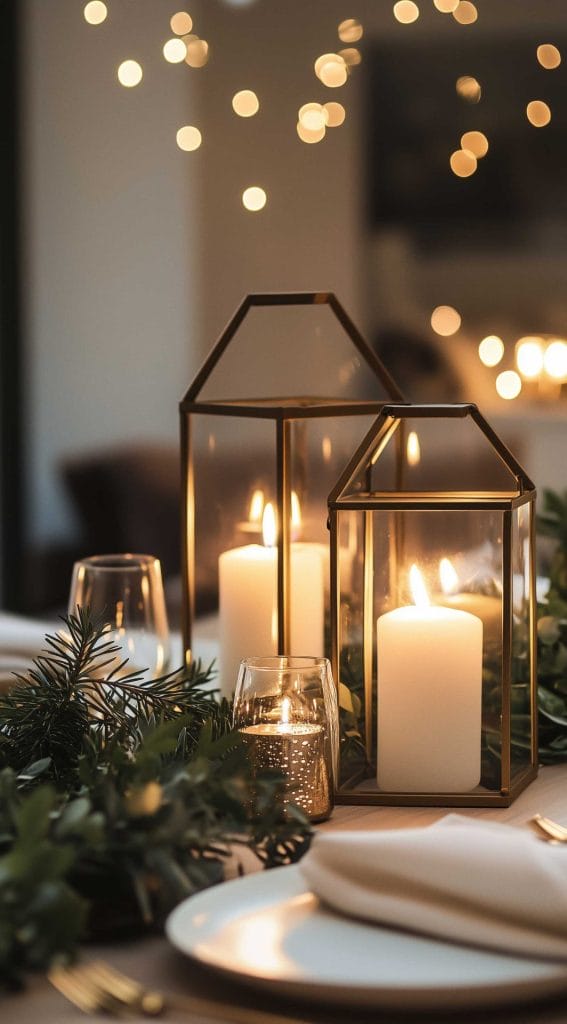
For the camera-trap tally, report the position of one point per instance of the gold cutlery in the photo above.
(96, 987)
(552, 831)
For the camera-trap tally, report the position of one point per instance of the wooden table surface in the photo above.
(154, 963)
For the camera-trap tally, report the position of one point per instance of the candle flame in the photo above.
(286, 707)
(413, 449)
(295, 510)
(256, 506)
(448, 577)
(418, 588)
(269, 526)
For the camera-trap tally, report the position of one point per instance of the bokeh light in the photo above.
(463, 163)
(476, 143)
(491, 350)
(445, 320)
(181, 23)
(529, 357)
(538, 113)
(468, 88)
(197, 52)
(406, 12)
(555, 360)
(312, 116)
(175, 51)
(466, 13)
(245, 103)
(351, 56)
(95, 12)
(335, 112)
(189, 138)
(332, 71)
(254, 198)
(350, 30)
(549, 56)
(130, 73)
(508, 384)
(413, 450)
(446, 6)
(310, 135)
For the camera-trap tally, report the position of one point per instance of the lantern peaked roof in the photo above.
(275, 354)
(355, 488)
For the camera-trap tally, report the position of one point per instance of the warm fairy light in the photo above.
(181, 23)
(468, 88)
(476, 143)
(549, 56)
(555, 360)
(295, 511)
(465, 13)
(245, 103)
(269, 526)
(406, 12)
(419, 594)
(256, 506)
(335, 112)
(351, 56)
(326, 449)
(445, 320)
(308, 135)
(286, 709)
(189, 138)
(463, 163)
(529, 357)
(95, 12)
(413, 450)
(332, 71)
(312, 116)
(350, 30)
(130, 73)
(197, 52)
(508, 384)
(538, 113)
(446, 6)
(448, 577)
(175, 51)
(491, 350)
(254, 198)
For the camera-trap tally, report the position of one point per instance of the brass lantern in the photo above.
(267, 425)
(433, 612)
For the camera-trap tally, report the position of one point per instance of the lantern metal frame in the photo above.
(388, 422)
(282, 411)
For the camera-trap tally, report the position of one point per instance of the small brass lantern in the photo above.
(433, 613)
(266, 427)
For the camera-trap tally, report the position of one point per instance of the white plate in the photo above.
(269, 930)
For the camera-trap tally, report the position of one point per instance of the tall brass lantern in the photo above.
(433, 615)
(268, 424)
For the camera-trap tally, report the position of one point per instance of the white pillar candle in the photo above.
(248, 586)
(429, 699)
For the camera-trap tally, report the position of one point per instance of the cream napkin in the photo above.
(471, 882)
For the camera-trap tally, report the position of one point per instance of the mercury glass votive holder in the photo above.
(285, 709)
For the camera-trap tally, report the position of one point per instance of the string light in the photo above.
(245, 103)
(529, 357)
(406, 12)
(491, 350)
(189, 138)
(476, 143)
(130, 73)
(254, 198)
(548, 56)
(466, 13)
(175, 51)
(468, 88)
(181, 23)
(463, 163)
(445, 320)
(336, 114)
(555, 360)
(350, 30)
(508, 384)
(538, 113)
(95, 12)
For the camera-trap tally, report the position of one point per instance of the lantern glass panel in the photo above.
(292, 351)
(522, 639)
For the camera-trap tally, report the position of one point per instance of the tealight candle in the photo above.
(429, 697)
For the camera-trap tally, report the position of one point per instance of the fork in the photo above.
(552, 831)
(96, 986)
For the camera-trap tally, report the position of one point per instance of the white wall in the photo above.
(111, 219)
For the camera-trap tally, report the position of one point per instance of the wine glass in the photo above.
(127, 590)
(285, 709)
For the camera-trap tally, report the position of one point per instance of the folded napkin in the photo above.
(21, 640)
(475, 883)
